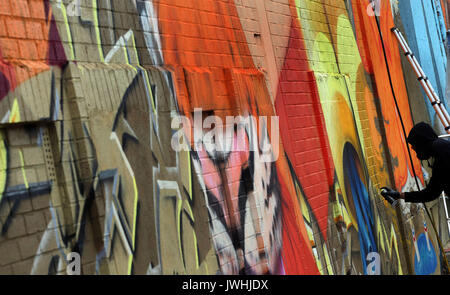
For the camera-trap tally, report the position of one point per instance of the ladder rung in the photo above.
(441, 112)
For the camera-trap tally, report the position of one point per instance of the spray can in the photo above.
(391, 200)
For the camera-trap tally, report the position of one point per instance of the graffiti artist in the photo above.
(427, 145)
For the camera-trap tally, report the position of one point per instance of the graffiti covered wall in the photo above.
(96, 94)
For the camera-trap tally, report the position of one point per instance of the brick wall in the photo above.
(89, 98)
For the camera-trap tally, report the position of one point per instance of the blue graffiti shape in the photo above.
(428, 260)
(364, 215)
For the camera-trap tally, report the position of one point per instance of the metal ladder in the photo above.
(423, 79)
(444, 197)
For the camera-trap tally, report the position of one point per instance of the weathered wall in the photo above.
(89, 96)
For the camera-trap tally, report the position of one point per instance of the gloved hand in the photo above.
(390, 195)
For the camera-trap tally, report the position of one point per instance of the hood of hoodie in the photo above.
(421, 137)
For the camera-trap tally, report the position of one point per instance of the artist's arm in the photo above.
(431, 192)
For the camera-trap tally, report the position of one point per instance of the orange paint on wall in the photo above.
(444, 12)
(29, 43)
(369, 34)
(208, 52)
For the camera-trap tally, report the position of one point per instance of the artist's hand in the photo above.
(390, 195)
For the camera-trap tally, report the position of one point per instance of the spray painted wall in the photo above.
(93, 93)
(424, 27)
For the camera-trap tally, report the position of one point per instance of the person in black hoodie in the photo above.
(426, 144)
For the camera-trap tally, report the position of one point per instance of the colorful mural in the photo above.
(427, 42)
(94, 95)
